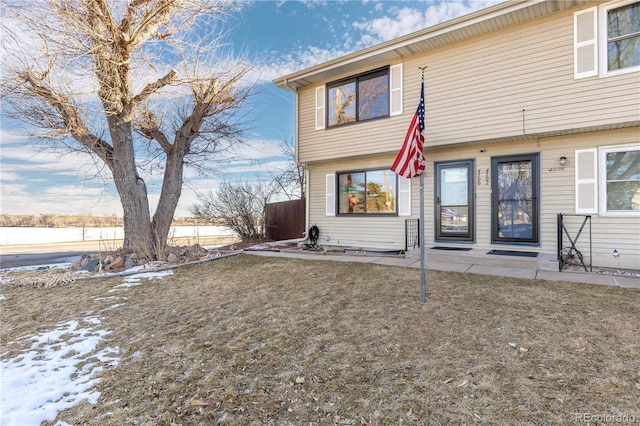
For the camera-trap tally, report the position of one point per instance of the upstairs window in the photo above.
(622, 35)
(607, 39)
(358, 98)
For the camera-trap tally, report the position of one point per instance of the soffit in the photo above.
(472, 25)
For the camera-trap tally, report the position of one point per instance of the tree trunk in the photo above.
(132, 191)
(169, 197)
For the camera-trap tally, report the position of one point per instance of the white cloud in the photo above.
(365, 32)
(312, 4)
(402, 21)
(297, 59)
(8, 176)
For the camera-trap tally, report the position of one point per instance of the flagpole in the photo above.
(423, 266)
(423, 285)
(409, 163)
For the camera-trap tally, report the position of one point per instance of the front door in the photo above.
(514, 198)
(454, 201)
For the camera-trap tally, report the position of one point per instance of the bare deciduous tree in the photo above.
(239, 206)
(101, 77)
(290, 179)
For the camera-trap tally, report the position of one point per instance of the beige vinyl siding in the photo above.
(476, 90)
(558, 196)
(382, 232)
(557, 185)
(373, 136)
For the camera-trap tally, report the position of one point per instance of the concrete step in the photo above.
(544, 261)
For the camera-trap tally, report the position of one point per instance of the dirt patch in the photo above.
(252, 340)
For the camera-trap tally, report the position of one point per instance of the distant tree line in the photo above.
(82, 221)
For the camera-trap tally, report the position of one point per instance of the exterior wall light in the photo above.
(563, 160)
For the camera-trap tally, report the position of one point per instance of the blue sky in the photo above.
(282, 37)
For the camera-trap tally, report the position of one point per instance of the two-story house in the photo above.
(532, 109)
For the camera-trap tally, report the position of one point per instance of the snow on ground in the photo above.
(133, 280)
(59, 368)
(33, 235)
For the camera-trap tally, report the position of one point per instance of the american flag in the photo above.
(410, 161)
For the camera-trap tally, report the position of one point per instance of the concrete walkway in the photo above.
(472, 263)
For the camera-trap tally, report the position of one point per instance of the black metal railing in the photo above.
(411, 233)
(570, 254)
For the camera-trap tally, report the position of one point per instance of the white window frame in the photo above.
(603, 31)
(602, 181)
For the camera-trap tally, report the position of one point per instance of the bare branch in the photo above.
(290, 178)
(148, 125)
(239, 206)
(73, 123)
(153, 87)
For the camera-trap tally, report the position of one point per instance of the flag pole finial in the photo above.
(422, 70)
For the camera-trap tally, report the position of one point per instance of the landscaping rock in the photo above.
(91, 265)
(117, 263)
(129, 262)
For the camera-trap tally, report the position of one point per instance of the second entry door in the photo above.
(454, 201)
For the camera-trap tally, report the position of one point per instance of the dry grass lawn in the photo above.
(251, 340)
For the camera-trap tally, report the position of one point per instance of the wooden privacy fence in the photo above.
(285, 220)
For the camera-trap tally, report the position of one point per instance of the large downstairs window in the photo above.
(367, 192)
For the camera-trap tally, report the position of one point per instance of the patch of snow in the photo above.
(112, 307)
(133, 280)
(36, 267)
(55, 373)
(59, 369)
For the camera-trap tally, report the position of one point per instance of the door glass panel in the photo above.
(454, 196)
(515, 202)
(454, 212)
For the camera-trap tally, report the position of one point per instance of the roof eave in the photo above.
(440, 34)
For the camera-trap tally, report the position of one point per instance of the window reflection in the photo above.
(358, 98)
(367, 192)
